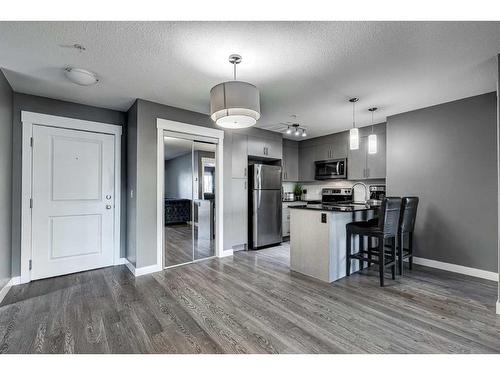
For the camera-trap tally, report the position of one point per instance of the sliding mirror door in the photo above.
(178, 207)
(189, 200)
(204, 200)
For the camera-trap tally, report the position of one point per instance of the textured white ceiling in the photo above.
(309, 69)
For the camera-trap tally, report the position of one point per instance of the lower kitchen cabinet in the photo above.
(239, 211)
(286, 216)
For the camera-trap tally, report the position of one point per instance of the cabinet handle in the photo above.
(245, 184)
(367, 172)
(245, 172)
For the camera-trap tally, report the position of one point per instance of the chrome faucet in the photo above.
(366, 190)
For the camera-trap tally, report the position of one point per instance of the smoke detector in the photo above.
(81, 76)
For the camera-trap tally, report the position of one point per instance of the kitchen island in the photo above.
(318, 238)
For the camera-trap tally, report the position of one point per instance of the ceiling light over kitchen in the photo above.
(353, 133)
(288, 131)
(304, 134)
(372, 138)
(235, 104)
(80, 76)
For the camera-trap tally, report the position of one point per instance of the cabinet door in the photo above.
(239, 211)
(239, 156)
(274, 148)
(376, 163)
(322, 152)
(306, 163)
(256, 146)
(356, 161)
(339, 146)
(290, 163)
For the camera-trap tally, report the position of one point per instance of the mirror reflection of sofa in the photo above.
(177, 210)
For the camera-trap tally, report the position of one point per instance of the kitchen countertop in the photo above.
(341, 208)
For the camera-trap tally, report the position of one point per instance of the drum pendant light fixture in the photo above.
(372, 138)
(353, 133)
(235, 104)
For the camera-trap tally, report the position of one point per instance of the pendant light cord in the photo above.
(372, 121)
(234, 71)
(353, 115)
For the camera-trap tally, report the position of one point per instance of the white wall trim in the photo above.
(142, 270)
(226, 253)
(28, 119)
(13, 281)
(488, 275)
(192, 131)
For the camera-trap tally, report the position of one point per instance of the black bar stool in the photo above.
(385, 229)
(406, 227)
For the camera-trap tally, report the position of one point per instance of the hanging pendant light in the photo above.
(353, 133)
(372, 138)
(235, 104)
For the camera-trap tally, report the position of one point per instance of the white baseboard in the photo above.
(121, 261)
(13, 281)
(488, 275)
(498, 307)
(142, 270)
(226, 253)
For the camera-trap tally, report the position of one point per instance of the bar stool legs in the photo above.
(381, 260)
(400, 253)
(348, 253)
(361, 247)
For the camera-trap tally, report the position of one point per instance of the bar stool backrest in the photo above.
(388, 221)
(408, 214)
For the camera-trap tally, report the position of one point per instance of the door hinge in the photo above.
(31, 202)
(30, 264)
(31, 142)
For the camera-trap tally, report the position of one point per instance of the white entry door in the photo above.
(73, 195)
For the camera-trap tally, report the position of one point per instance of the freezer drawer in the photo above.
(266, 218)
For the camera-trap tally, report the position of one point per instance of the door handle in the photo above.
(108, 207)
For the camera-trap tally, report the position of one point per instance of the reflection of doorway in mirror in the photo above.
(208, 167)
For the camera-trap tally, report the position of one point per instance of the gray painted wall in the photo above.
(6, 180)
(24, 102)
(144, 181)
(446, 155)
(179, 177)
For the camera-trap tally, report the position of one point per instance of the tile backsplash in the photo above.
(314, 188)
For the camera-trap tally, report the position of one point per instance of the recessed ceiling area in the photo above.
(307, 69)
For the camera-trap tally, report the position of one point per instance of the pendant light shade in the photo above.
(372, 138)
(372, 144)
(353, 133)
(235, 104)
(354, 139)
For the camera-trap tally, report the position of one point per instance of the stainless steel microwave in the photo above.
(330, 169)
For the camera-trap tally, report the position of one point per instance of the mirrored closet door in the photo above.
(189, 200)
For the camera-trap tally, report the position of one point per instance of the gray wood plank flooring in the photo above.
(250, 303)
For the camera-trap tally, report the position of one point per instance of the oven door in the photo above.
(330, 169)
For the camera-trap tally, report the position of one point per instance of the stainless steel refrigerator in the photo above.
(265, 205)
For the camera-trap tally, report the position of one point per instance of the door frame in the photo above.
(191, 131)
(28, 119)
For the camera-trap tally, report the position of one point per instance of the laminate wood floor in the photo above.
(250, 303)
(179, 244)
